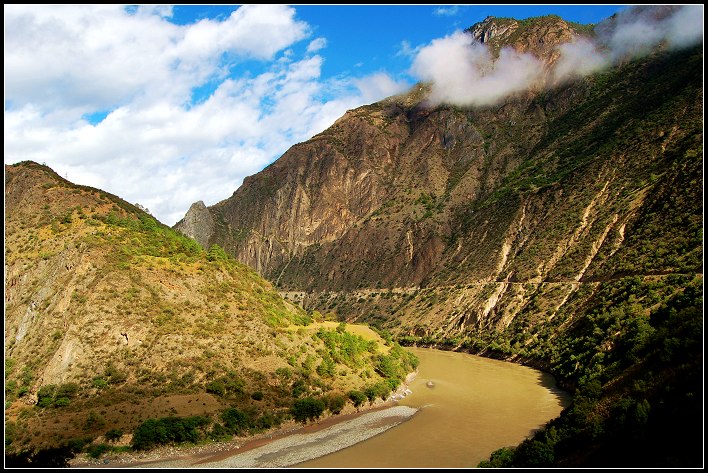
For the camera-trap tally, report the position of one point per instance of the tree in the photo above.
(307, 408)
(357, 397)
(235, 421)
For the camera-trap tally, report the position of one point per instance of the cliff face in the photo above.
(539, 36)
(198, 224)
(567, 186)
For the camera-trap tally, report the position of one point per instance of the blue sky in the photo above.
(164, 106)
(366, 39)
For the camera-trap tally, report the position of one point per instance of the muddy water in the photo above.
(474, 407)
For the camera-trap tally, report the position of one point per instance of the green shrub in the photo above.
(266, 421)
(95, 451)
(216, 387)
(307, 408)
(335, 403)
(236, 422)
(113, 435)
(218, 432)
(381, 389)
(45, 395)
(357, 397)
(154, 432)
(99, 383)
(299, 388)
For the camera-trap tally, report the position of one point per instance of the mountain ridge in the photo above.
(114, 320)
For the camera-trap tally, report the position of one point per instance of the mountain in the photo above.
(113, 319)
(560, 228)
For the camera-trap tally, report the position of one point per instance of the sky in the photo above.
(168, 105)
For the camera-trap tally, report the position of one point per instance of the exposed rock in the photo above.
(487, 207)
(539, 36)
(197, 224)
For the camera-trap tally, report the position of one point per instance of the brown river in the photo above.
(475, 406)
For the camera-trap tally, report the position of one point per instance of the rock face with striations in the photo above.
(328, 199)
(550, 187)
(198, 223)
(539, 36)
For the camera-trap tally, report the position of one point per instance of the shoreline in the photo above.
(285, 446)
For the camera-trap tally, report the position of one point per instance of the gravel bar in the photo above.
(299, 447)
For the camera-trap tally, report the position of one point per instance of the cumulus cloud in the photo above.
(156, 145)
(463, 72)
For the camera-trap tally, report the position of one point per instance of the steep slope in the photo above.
(326, 194)
(111, 318)
(552, 187)
(560, 228)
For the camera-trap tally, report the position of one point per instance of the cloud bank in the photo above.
(462, 71)
(163, 114)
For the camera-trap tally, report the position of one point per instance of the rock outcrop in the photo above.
(198, 223)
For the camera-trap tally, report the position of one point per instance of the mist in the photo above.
(463, 72)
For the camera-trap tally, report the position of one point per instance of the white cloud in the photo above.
(685, 27)
(462, 71)
(447, 11)
(156, 147)
(635, 31)
(578, 58)
(405, 49)
(316, 44)
(379, 85)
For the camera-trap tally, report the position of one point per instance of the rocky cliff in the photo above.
(557, 187)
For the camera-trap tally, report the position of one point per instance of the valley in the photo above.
(558, 229)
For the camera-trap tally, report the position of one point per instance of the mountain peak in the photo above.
(539, 36)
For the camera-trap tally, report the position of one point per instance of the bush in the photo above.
(99, 383)
(216, 387)
(327, 368)
(308, 408)
(357, 398)
(381, 389)
(154, 432)
(299, 388)
(236, 421)
(45, 395)
(56, 396)
(501, 458)
(335, 403)
(219, 432)
(266, 421)
(217, 253)
(95, 451)
(113, 435)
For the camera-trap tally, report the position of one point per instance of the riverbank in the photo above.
(290, 444)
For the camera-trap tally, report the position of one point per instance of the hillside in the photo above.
(112, 319)
(560, 228)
